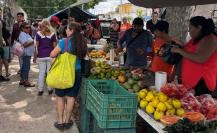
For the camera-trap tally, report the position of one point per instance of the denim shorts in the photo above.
(73, 91)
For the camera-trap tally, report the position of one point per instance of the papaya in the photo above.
(194, 116)
(169, 119)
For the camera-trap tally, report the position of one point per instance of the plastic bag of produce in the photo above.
(174, 90)
(190, 103)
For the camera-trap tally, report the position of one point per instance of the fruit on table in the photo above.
(97, 54)
(155, 106)
(143, 104)
(161, 107)
(121, 78)
(169, 120)
(180, 112)
(142, 94)
(150, 109)
(177, 104)
(136, 88)
(162, 97)
(194, 116)
(149, 96)
(158, 115)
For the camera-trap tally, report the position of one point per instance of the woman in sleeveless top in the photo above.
(199, 66)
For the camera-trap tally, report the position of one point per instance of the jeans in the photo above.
(44, 67)
(26, 61)
(20, 62)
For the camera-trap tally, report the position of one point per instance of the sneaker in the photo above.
(40, 93)
(4, 79)
(28, 84)
(50, 92)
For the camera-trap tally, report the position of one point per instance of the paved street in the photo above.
(22, 111)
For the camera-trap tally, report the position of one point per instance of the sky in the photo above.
(107, 6)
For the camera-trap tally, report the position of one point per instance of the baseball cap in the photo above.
(55, 20)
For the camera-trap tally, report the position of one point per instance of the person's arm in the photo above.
(55, 52)
(35, 52)
(54, 40)
(122, 40)
(13, 34)
(204, 52)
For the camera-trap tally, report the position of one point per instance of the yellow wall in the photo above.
(125, 8)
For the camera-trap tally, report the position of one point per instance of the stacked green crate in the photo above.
(112, 106)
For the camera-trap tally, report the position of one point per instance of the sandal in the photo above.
(28, 84)
(59, 126)
(68, 125)
(7, 75)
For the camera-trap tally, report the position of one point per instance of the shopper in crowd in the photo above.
(199, 66)
(45, 42)
(151, 23)
(161, 31)
(114, 32)
(4, 50)
(135, 43)
(92, 33)
(124, 27)
(77, 46)
(34, 29)
(62, 29)
(55, 23)
(16, 32)
(28, 43)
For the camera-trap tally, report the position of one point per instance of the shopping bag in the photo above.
(62, 72)
(17, 49)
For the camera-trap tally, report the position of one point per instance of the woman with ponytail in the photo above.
(76, 46)
(199, 66)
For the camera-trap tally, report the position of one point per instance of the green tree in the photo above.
(139, 13)
(44, 8)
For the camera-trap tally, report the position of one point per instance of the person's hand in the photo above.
(124, 50)
(140, 51)
(34, 60)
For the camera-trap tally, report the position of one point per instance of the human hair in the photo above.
(64, 22)
(23, 25)
(46, 23)
(207, 27)
(138, 21)
(79, 45)
(162, 26)
(20, 13)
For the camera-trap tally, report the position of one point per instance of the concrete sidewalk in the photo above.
(22, 111)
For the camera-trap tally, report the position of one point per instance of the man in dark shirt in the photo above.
(16, 31)
(16, 27)
(150, 24)
(135, 43)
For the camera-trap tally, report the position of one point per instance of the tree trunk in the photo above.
(178, 18)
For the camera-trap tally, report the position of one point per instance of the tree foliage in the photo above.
(44, 8)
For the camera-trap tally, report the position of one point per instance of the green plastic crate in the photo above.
(86, 121)
(83, 90)
(111, 105)
(97, 129)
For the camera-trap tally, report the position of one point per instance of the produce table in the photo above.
(156, 125)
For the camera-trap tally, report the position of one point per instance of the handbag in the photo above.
(62, 72)
(18, 49)
(167, 55)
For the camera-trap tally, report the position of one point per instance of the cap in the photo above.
(55, 19)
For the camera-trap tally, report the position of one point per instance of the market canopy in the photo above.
(170, 3)
(74, 11)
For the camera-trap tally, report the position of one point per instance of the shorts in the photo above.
(71, 92)
(5, 54)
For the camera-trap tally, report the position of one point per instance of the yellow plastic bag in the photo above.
(62, 72)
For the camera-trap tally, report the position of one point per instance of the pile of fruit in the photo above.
(97, 54)
(158, 104)
(102, 70)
